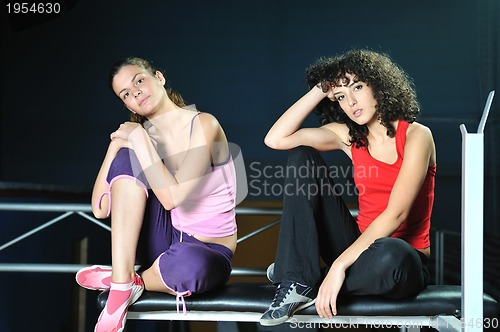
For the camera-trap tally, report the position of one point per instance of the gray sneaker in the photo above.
(290, 297)
(270, 272)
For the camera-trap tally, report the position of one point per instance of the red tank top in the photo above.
(374, 181)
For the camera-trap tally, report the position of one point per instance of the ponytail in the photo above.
(175, 97)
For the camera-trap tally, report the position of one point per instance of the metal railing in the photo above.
(85, 210)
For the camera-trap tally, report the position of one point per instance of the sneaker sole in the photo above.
(270, 272)
(273, 322)
(104, 270)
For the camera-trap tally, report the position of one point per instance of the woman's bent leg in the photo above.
(315, 224)
(127, 197)
(127, 212)
(315, 221)
(389, 267)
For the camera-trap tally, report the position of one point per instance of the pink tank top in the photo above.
(209, 210)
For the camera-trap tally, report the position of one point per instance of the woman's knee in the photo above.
(393, 252)
(389, 267)
(126, 164)
(301, 155)
(400, 265)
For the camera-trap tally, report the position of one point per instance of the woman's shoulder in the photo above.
(207, 125)
(339, 129)
(419, 138)
(416, 129)
(206, 118)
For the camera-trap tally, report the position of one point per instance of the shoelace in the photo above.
(284, 289)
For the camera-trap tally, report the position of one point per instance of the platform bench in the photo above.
(438, 306)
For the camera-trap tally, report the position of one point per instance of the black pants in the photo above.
(317, 224)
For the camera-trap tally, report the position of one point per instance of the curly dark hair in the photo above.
(392, 88)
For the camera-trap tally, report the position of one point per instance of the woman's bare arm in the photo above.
(286, 133)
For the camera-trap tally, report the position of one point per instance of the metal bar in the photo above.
(248, 272)
(297, 321)
(81, 294)
(260, 230)
(73, 268)
(33, 231)
(441, 258)
(257, 211)
(63, 207)
(472, 228)
(448, 232)
(437, 243)
(45, 207)
(58, 268)
(94, 220)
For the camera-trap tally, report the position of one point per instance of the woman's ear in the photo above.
(160, 77)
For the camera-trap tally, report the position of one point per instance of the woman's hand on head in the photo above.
(324, 86)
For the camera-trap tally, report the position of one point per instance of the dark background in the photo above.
(242, 61)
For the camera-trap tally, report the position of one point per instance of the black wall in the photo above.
(244, 62)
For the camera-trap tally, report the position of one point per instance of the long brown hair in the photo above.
(146, 65)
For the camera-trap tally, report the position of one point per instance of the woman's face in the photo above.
(355, 98)
(140, 91)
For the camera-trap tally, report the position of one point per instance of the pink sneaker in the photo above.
(121, 295)
(96, 277)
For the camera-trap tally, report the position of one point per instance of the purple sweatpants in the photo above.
(187, 265)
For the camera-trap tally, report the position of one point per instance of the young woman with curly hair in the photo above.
(367, 107)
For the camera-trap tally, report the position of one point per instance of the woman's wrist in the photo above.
(138, 136)
(340, 263)
(318, 90)
(114, 147)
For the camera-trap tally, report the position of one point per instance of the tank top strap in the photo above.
(401, 138)
(192, 121)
